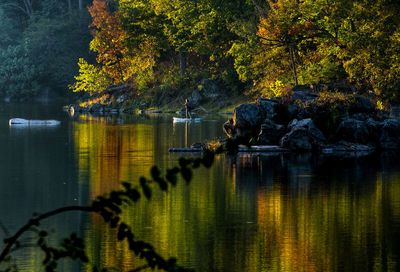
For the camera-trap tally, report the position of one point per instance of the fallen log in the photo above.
(242, 149)
(25, 122)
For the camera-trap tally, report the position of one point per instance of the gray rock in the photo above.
(195, 98)
(268, 107)
(297, 139)
(209, 89)
(293, 110)
(303, 135)
(362, 105)
(303, 94)
(247, 116)
(95, 107)
(361, 116)
(120, 99)
(308, 124)
(374, 130)
(390, 134)
(74, 108)
(270, 133)
(352, 130)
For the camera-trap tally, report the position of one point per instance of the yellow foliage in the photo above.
(90, 79)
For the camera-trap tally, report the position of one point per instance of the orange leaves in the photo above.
(108, 39)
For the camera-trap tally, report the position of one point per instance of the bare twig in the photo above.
(10, 242)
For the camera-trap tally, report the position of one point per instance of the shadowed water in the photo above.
(247, 213)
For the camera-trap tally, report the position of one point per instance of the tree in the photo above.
(19, 77)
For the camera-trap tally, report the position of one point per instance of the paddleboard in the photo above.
(182, 120)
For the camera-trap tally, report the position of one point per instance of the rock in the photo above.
(297, 139)
(247, 116)
(293, 110)
(303, 135)
(195, 98)
(390, 134)
(395, 111)
(374, 130)
(352, 130)
(74, 108)
(121, 99)
(270, 133)
(95, 107)
(361, 116)
(268, 107)
(229, 128)
(209, 89)
(308, 124)
(303, 95)
(362, 105)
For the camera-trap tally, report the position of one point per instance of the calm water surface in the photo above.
(248, 213)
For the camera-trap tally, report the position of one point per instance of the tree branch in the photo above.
(34, 222)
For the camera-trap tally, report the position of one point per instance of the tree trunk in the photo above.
(80, 5)
(182, 62)
(293, 65)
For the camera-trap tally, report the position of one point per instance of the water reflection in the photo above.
(248, 213)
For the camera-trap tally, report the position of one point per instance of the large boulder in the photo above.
(270, 133)
(308, 124)
(297, 139)
(303, 135)
(248, 116)
(374, 130)
(390, 134)
(352, 130)
(268, 107)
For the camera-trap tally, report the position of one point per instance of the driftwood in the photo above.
(263, 148)
(242, 149)
(19, 122)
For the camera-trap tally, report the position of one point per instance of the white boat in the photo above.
(183, 120)
(25, 122)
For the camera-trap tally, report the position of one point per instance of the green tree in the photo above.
(18, 76)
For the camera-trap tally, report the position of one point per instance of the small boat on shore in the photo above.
(20, 122)
(183, 120)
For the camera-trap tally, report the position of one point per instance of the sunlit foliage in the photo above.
(91, 78)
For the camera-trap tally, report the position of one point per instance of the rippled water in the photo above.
(247, 213)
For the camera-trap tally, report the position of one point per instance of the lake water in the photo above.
(247, 213)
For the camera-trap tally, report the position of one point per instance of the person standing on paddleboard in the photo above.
(188, 108)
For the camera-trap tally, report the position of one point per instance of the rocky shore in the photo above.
(329, 123)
